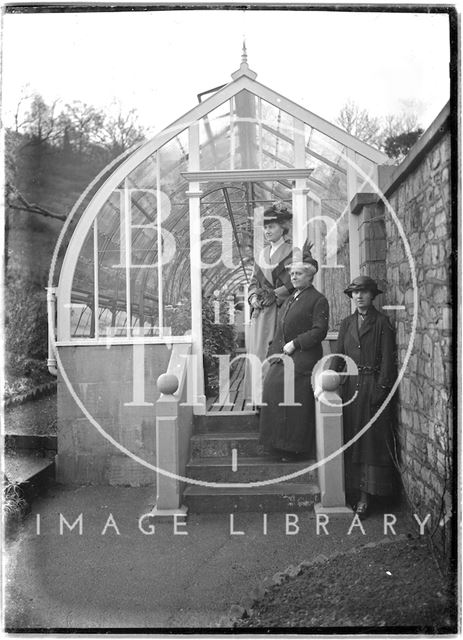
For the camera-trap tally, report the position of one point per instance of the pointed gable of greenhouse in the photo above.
(242, 148)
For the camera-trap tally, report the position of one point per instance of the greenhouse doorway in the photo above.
(227, 214)
(231, 237)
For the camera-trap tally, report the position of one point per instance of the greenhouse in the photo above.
(171, 235)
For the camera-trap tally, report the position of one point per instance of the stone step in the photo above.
(280, 497)
(248, 470)
(25, 442)
(29, 470)
(220, 445)
(226, 422)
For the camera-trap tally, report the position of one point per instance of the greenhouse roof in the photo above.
(246, 146)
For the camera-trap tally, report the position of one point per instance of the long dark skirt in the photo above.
(377, 480)
(367, 462)
(287, 428)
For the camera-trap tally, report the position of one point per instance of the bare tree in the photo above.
(21, 118)
(120, 130)
(359, 123)
(394, 134)
(80, 125)
(41, 120)
(396, 124)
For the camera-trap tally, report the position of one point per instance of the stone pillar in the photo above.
(167, 450)
(329, 438)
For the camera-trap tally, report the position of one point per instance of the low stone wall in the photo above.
(103, 380)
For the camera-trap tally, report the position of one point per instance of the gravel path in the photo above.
(389, 586)
(37, 417)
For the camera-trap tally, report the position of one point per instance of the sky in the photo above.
(158, 61)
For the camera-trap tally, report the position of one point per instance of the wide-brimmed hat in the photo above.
(304, 258)
(362, 283)
(278, 212)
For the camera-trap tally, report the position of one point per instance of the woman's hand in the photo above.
(255, 302)
(289, 348)
(268, 297)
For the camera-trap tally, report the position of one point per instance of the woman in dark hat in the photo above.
(367, 338)
(289, 431)
(270, 285)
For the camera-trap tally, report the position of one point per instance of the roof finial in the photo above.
(244, 55)
(244, 70)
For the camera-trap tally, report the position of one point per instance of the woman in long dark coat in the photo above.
(368, 339)
(289, 431)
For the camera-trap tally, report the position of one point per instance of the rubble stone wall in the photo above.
(421, 202)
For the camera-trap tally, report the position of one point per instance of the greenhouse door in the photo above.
(226, 209)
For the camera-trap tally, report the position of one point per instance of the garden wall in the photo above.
(420, 196)
(103, 380)
(418, 191)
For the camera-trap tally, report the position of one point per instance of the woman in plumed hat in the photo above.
(289, 431)
(270, 285)
(367, 338)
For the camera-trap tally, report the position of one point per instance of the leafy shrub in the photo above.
(14, 507)
(26, 332)
(13, 497)
(178, 317)
(217, 339)
(26, 320)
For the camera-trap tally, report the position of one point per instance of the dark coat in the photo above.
(372, 346)
(305, 321)
(292, 428)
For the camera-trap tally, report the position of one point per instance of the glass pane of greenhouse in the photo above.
(175, 282)
(138, 294)
(111, 289)
(82, 298)
(365, 173)
(215, 138)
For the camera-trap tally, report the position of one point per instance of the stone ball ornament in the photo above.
(329, 380)
(167, 383)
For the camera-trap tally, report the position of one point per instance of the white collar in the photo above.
(276, 245)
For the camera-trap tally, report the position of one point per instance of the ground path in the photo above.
(155, 581)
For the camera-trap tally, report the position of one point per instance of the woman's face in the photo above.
(273, 231)
(301, 277)
(363, 299)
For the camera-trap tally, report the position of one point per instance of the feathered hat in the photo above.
(304, 259)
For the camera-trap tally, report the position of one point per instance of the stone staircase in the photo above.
(216, 436)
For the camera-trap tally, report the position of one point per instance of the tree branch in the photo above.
(41, 212)
(32, 207)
